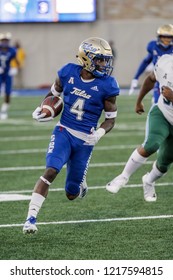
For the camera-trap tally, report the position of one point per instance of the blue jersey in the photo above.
(84, 100)
(5, 58)
(155, 50)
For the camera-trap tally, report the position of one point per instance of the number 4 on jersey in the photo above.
(77, 108)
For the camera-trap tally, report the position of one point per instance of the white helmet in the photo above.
(90, 51)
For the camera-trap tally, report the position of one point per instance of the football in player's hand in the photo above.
(52, 106)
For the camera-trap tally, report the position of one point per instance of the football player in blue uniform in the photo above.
(88, 89)
(7, 53)
(156, 48)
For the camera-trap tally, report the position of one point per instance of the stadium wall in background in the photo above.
(130, 24)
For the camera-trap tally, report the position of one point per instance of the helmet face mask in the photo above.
(95, 55)
(103, 65)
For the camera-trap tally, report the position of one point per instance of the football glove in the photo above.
(40, 117)
(134, 84)
(95, 136)
(13, 71)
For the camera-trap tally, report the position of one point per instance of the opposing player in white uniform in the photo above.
(159, 132)
(88, 89)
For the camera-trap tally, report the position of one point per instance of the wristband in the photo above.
(110, 115)
(54, 91)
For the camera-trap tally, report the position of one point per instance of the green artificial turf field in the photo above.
(101, 226)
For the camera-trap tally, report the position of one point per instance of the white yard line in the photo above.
(90, 188)
(23, 151)
(25, 128)
(24, 138)
(94, 220)
(99, 148)
(46, 137)
(92, 165)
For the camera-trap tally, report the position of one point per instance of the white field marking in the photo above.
(29, 122)
(16, 122)
(94, 220)
(25, 128)
(47, 137)
(23, 151)
(26, 168)
(124, 126)
(101, 148)
(24, 138)
(13, 197)
(90, 188)
(23, 125)
(125, 133)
